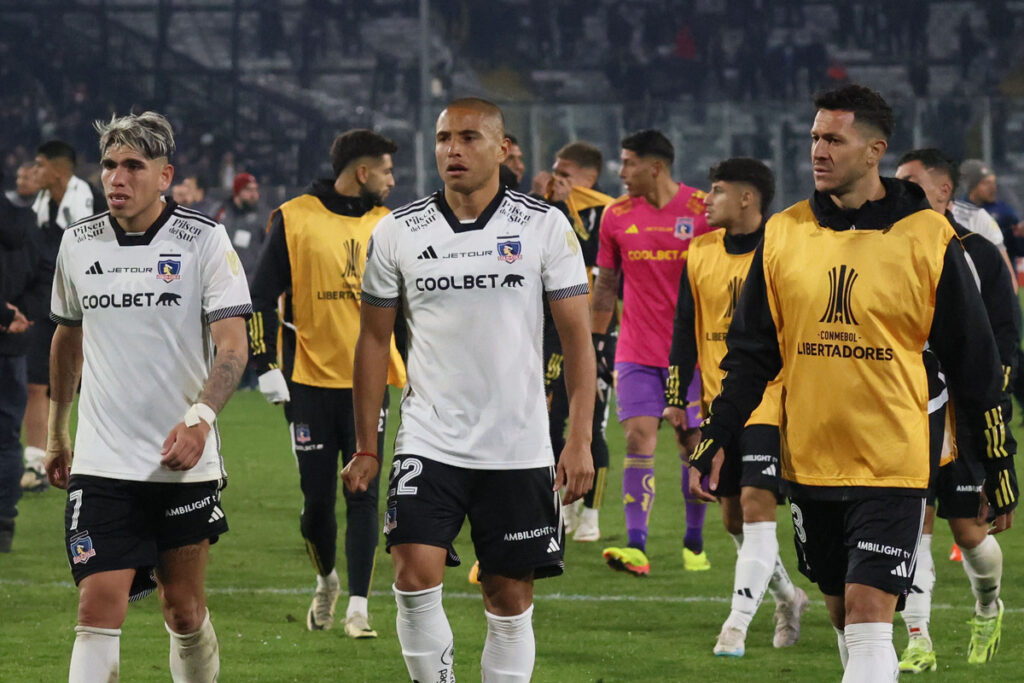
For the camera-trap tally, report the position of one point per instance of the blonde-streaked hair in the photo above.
(148, 133)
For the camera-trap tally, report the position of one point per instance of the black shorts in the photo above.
(956, 490)
(514, 516)
(871, 541)
(40, 335)
(113, 524)
(752, 461)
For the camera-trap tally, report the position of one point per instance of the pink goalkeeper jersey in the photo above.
(650, 247)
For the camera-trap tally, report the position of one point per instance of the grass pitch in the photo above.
(591, 624)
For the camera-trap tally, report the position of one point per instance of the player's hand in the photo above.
(713, 475)
(575, 471)
(58, 460)
(696, 489)
(274, 387)
(184, 446)
(541, 184)
(359, 473)
(676, 417)
(998, 525)
(602, 346)
(20, 322)
(561, 187)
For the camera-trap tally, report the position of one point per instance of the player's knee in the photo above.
(101, 607)
(758, 505)
(967, 533)
(317, 513)
(184, 609)
(639, 440)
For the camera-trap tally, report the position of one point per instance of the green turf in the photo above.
(591, 624)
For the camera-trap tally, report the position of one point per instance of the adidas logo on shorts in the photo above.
(553, 546)
(217, 514)
(900, 570)
(769, 471)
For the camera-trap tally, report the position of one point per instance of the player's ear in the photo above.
(362, 173)
(166, 176)
(876, 150)
(503, 149)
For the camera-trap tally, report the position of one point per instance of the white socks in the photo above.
(844, 653)
(919, 601)
(96, 655)
(754, 565)
(195, 657)
(34, 457)
(357, 605)
(984, 567)
(872, 656)
(425, 635)
(781, 586)
(509, 650)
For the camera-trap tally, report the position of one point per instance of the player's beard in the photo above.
(371, 197)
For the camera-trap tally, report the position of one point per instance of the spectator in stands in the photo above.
(24, 299)
(26, 186)
(981, 188)
(245, 225)
(192, 194)
(64, 199)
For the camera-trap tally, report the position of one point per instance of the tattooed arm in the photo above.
(184, 445)
(229, 336)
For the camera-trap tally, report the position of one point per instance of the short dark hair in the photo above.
(200, 180)
(58, 149)
(650, 143)
(749, 171)
(512, 138)
(583, 154)
(485, 107)
(361, 142)
(932, 158)
(868, 106)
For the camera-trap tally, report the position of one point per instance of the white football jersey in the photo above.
(472, 297)
(145, 302)
(977, 220)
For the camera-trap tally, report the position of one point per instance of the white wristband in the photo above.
(200, 411)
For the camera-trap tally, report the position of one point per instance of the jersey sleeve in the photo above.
(562, 268)
(608, 255)
(382, 279)
(225, 290)
(65, 304)
(682, 356)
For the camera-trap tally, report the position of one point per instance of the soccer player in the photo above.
(968, 213)
(644, 238)
(64, 199)
(956, 490)
(571, 187)
(153, 298)
(741, 192)
(842, 296)
(315, 256)
(514, 161)
(469, 266)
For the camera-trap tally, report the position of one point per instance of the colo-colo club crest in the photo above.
(510, 251)
(168, 269)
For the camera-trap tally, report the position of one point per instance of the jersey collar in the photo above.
(458, 226)
(134, 240)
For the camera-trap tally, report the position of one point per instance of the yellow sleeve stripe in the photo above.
(256, 342)
(672, 385)
(701, 448)
(995, 433)
(1004, 492)
(1006, 377)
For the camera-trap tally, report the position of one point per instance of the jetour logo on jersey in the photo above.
(168, 268)
(511, 250)
(840, 288)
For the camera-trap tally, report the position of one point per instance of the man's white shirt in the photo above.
(145, 302)
(75, 205)
(472, 295)
(977, 220)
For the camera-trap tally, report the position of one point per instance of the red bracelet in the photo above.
(366, 454)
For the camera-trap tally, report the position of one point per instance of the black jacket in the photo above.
(25, 275)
